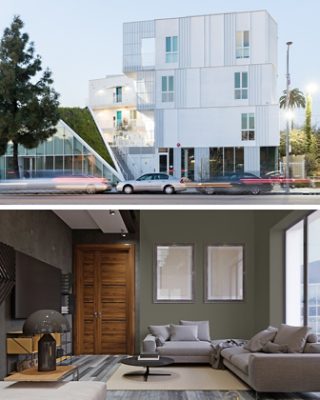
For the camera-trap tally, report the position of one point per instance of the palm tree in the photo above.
(296, 99)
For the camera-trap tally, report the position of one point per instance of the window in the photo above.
(248, 127)
(171, 49)
(167, 89)
(241, 85)
(303, 273)
(243, 44)
(117, 96)
(224, 273)
(133, 115)
(174, 270)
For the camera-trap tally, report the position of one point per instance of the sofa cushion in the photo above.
(271, 347)
(293, 336)
(241, 361)
(312, 338)
(233, 351)
(160, 331)
(257, 342)
(203, 329)
(185, 348)
(184, 333)
(312, 348)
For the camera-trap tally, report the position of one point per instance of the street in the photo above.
(185, 199)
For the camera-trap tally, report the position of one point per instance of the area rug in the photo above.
(181, 378)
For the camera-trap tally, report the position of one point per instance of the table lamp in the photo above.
(46, 322)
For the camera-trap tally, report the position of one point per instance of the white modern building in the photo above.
(198, 97)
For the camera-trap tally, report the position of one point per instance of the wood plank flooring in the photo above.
(100, 368)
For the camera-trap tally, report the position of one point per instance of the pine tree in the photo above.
(28, 103)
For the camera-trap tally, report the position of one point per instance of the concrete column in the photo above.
(252, 160)
(177, 162)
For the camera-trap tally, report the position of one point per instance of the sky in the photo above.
(81, 40)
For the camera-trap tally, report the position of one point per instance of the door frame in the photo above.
(131, 304)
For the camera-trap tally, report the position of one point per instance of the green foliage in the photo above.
(296, 99)
(28, 103)
(80, 120)
(308, 127)
(301, 145)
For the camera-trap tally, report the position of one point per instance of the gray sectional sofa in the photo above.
(275, 360)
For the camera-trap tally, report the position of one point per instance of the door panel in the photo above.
(104, 299)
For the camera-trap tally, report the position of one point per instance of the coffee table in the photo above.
(133, 361)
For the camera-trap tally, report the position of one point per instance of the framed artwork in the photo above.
(224, 273)
(173, 273)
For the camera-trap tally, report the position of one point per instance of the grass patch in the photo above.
(81, 121)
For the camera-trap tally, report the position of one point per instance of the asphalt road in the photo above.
(137, 200)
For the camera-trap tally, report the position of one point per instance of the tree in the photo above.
(308, 127)
(28, 103)
(296, 99)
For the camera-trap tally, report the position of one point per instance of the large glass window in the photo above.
(171, 49)
(167, 89)
(303, 273)
(241, 85)
(248, 127)
(243, 44)
(187, 163)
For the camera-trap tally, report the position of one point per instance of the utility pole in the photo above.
(288, 121)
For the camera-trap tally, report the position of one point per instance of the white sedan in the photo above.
(154, 182)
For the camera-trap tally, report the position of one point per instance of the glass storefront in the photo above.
(64, 154)
(225, 161)
(268, 159)
(187, 163)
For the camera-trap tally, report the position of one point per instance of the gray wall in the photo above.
(40, 234)
(200, 228)
(253, 228)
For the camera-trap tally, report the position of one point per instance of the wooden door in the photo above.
(104, 318)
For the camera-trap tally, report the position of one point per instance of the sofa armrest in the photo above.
(284, 372)
(149, 344)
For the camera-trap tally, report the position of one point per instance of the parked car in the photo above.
(236, 183)
(67, 183)
(154, 182)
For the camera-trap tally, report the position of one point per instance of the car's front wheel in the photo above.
(91, 189)
(168, 190)
(128, 189)
(255, 190)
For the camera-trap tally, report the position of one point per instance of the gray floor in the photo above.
(100, 368)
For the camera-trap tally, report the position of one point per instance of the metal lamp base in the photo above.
(47, 353)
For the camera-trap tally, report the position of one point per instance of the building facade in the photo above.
(202, 91)
(64, 153)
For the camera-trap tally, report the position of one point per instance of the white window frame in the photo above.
(248, 133)
(241, 92)
(167, 93)
(242, 48)
(171, 53)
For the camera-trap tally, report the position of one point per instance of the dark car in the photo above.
(236, 183)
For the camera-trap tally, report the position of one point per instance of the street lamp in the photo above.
(288, 121)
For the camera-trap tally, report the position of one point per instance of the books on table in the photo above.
(148, 357)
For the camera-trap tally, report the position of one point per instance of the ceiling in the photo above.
(104, 220)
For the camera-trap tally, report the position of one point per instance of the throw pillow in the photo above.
(271, 347)
(160, 341)
(257, 342)
(203, 329)
(293, 336)
(312, 348)
(184, 333)
(312, 338)
(160, 331)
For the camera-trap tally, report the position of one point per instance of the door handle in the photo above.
(95, 314)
